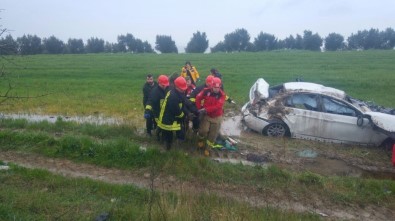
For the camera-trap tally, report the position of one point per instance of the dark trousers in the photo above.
(150, 124)
(167, 136)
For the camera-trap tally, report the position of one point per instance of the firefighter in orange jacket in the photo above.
(213, 101)
(171, 114)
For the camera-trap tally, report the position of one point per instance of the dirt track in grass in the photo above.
(340, 162)
(253, 149)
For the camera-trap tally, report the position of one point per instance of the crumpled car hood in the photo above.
(382, 120)
(258, 91)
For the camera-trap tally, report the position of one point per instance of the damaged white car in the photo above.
(315, 112)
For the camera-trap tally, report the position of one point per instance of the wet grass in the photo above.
(121, 149)
(111, 84)
(38, 195)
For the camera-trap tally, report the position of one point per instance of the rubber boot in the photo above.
(168, 145)
(200, 143)
(206, 152)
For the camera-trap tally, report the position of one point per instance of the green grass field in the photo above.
(111, 84)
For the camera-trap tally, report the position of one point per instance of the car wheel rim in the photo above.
(276, 130)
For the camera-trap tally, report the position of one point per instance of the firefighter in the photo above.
(171, 115)
(157, 95)
(213, 101)
(149, 85)
(192, 97)
(198, 89)
(215, 73)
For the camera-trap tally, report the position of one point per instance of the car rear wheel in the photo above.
(276, 130)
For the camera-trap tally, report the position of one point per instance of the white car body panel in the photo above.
(331, 128)
(384, 121)
(258, 91)
(317, 88)
(316, 124)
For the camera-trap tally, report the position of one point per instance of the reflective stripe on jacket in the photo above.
(194, 73)
(171, 112)
(155, 101)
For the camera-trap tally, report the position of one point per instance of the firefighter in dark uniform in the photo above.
(171, 114)
(155, 100)
(149, 85)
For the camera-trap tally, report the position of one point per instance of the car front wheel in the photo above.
(276, 130)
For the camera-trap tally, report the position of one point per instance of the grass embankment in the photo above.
(118, 147)
(111, 84)
(38, 195)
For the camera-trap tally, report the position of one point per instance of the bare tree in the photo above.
(6, 85)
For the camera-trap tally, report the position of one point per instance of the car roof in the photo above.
(313, 87)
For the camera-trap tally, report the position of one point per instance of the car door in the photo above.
(339, 124)
(304, 116)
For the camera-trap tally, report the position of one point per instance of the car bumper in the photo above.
(253, 122)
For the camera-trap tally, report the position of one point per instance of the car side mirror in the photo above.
(361, 119)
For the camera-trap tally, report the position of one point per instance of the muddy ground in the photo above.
(253, 149)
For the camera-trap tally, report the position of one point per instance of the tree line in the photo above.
(237, 41)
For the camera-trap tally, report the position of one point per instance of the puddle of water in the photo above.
(231, 126)
(307, 153)
(239, 161)
(4, 167)
(99, 120)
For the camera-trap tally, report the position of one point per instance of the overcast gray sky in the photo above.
(145, 19)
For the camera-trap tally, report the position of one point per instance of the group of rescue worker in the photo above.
(171, 103)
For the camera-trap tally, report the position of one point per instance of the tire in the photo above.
(276, 130)
(387, 145)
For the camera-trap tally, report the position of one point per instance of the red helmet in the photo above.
(216, 82)
(163, 80)
(209, 80)
(181, 83)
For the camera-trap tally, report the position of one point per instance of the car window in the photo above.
(337, 107)
(302, 101)
(273, 91)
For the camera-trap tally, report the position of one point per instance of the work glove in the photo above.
(202, 111)
(191, 116)
(147, 114)
(230, 101)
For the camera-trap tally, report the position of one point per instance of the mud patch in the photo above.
(232, 126)
(330, 167)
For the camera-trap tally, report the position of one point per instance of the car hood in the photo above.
(382, 120)
(259, 91)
